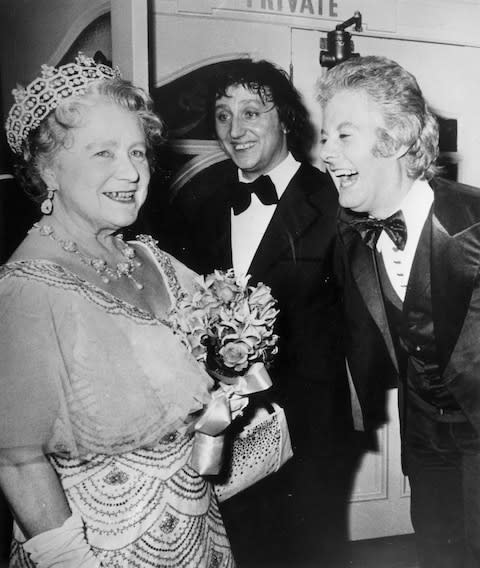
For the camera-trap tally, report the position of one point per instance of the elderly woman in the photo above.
(99, 397)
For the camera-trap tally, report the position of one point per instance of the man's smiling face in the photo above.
(366, 181)
(249, 130)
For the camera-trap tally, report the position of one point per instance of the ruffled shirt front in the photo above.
(82, 371)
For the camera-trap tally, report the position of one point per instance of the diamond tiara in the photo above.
(34, 102)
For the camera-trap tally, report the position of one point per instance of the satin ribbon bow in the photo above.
(371, 228)
(207, 451)
(263, 187)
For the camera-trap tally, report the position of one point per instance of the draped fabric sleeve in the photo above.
(82, 372)
(30, 366)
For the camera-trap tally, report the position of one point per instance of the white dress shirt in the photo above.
(398, 263)
(249, 227)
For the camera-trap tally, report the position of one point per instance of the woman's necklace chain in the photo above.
(106, 272)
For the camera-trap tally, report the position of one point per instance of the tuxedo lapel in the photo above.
(417, 282)
(361, 260)
(451, 247)
(216, 235)
(222, 243)
(454, 268)
(298, 208)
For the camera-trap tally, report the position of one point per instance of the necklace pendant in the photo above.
(138, 285)
(44, 230)
(124, 268)
(129, 252)
(69, 246)
(98, 264)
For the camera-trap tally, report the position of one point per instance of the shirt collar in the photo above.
(281, 174)
(415, 207)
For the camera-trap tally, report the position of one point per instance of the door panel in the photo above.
(381, 496)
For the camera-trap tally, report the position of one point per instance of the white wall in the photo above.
(182, 42)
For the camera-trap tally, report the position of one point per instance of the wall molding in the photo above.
(185, 70)
(449, 22)
(377, 472)
(78, 26)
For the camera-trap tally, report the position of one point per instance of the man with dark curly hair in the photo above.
(269, 213)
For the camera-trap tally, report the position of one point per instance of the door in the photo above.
(449, 77)
(380, 504)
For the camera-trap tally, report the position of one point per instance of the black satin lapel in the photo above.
(293, 215)
(217, 235)
(364, 271)
(222, 248)
(455, 261)
(417, 281)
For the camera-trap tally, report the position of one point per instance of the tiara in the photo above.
(34, 102)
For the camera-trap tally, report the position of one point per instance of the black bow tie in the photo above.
(371, 228)
(263, 188)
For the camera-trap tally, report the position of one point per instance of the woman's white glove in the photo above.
(63, 547)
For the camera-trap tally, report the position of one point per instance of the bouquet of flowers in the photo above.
(227, 324)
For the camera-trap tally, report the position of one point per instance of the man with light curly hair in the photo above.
(409, 245)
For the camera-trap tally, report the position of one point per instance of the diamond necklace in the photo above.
(106, 272)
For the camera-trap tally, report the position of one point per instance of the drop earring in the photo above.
(47, 204)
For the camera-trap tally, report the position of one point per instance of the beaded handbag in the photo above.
(259, 449)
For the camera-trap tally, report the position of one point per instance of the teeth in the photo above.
(121, 195)
(345, 172)
(243, 146)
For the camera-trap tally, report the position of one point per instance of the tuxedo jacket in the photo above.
(454, 258)
(294, 258)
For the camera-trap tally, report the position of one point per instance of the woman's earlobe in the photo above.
(50, 179)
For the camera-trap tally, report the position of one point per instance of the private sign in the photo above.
(326, 8)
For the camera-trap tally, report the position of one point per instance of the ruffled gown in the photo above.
(108, 392)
